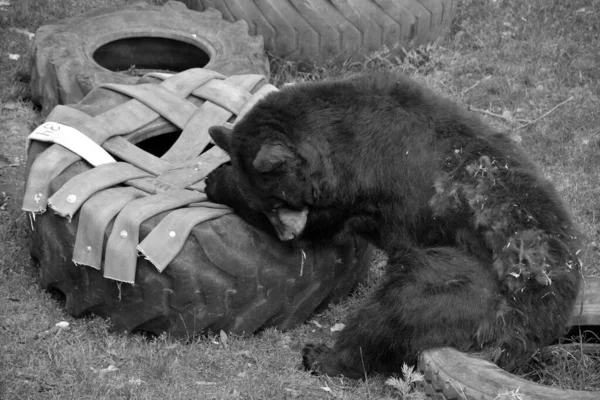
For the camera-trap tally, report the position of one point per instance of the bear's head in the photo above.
(270, 174)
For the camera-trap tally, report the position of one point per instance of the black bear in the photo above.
(482, 253)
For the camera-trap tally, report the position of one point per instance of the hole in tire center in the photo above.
(140, 55)
(158, 145)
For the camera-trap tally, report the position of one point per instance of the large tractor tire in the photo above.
(322, 30)
(228, 274)
(118, 45)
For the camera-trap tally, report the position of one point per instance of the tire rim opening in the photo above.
(139, 55)
(158, 145)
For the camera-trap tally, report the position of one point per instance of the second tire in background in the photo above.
(322, 30)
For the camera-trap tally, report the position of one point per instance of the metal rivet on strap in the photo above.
(71, 198)
(123, 234)
(88, 249)
(172, 234)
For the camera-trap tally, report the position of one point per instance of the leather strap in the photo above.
(185, 176)
(117, 121)
(166, 240)
(121, 248)
(69, 198)
(94, 217)
(166, 103)
(153, 185)
(216, 110)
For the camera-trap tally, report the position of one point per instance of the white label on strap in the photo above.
(73, 140)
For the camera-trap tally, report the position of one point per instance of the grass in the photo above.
(570, 365)
(512, 61)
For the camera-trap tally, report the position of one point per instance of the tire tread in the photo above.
(319, 30)
(452, 375)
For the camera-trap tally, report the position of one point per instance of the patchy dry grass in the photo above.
(572, 364)
(512, 61)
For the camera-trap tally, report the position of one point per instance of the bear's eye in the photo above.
(276, 205)
(277, 202)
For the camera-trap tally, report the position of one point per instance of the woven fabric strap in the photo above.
(127, 185)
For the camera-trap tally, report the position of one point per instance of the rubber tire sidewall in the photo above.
(63, 69)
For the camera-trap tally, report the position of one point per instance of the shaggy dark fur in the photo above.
(482, 254)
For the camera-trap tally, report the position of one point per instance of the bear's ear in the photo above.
(271, 156)
(221, 136)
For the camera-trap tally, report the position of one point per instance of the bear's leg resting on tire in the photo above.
(433, 298)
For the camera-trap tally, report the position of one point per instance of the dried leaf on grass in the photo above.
(204, 383)
(62, 325)
(102, 372)
(337, 327)
(316, 323)
(223, 338)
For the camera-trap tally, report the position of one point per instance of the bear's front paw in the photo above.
(312, 356)
(321, 360)
(213, 181)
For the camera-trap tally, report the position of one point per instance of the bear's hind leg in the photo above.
(430, 298)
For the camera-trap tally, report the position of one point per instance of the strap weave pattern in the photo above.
(141, 185)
